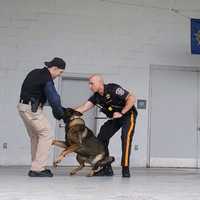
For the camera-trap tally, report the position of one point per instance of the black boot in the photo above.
(109, 170)
(105, 171)
(125, 172)
(43, 173)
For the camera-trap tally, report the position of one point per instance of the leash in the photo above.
(102, 118)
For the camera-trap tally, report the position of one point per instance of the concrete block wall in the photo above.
(117, 38)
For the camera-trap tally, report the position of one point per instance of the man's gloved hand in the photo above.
(60, 114)
(64, 117)
(57, 114)
(65, 120)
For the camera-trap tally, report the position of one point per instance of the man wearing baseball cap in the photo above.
(37, 88)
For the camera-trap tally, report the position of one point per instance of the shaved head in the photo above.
(96, 77)
(96, 82)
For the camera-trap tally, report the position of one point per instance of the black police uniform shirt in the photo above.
(113, 99)
(39, 85)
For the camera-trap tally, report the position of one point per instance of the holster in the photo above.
(34, 104)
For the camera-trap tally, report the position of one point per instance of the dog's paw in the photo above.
(72, 173)
(90, 174)
(53, 142)
(55, 165)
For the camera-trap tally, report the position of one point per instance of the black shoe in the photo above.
(105, 171)
(125, 172)
(43, 173)
(109, 170)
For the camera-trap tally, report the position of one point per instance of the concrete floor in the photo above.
(145, 184)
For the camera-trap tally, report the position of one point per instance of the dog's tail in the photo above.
(107, 160)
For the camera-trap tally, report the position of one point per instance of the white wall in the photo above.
(93, 36)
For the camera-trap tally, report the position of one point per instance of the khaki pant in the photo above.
(38, 129)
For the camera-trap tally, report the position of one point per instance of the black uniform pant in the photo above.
(110, 127)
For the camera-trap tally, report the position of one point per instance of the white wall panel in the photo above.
(93, 36)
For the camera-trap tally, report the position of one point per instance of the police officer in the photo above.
(37, 88)
(118, 105)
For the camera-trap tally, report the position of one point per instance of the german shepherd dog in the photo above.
(81, 140)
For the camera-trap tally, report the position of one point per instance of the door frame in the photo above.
(173, 68)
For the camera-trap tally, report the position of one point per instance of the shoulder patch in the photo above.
(120, 91)
(107, 96)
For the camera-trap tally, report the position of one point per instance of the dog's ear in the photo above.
(77, 113)
(70, 111)
(67, 112)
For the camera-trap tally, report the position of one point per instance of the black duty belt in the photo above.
(35, 103)
(24, 101)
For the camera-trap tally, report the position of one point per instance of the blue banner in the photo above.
(195, 36)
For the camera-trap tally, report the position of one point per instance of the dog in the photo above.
(81, 140)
